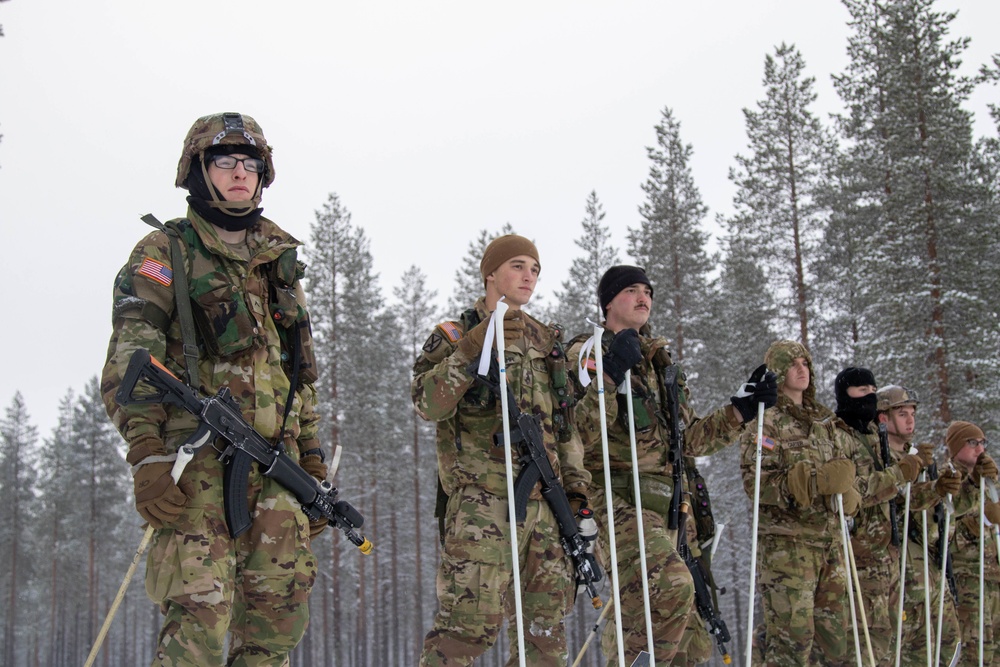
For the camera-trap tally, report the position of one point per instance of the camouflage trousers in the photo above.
(256, 587)
(671, 592)
(803, 589)
(968, 618)
(879, 595)
(696, 645)
(913, 652)
(475, 579)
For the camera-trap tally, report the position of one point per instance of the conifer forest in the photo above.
(872, 236)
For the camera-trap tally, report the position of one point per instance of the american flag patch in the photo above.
(767, 443)
(156, 271)
(451, 331)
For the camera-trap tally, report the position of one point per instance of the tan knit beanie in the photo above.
(958, 433)
(503, 248)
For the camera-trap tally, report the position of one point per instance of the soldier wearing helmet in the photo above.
(802, 579)
(240, 321)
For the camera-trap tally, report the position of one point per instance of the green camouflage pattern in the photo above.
(254, 375)
(803, 591)
(671, 588)
(475, 574)
(211, 130)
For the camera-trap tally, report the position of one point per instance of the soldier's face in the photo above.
(797, 377)
(236, 184)
(515, 279)
(969, 453)
(901, 421)
(630, 308)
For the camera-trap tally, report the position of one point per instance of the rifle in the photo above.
(947, 571)
(702, 593)
(220, 417)
(535, 466)
(883, 443)
(675, 452)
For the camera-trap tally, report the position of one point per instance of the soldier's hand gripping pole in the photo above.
(846, 539)
(496, 326)
(753, 532)
(902, 568)
(638, 511)
(220, 418)
(179, 464)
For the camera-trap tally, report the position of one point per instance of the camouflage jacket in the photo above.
(792, 433)
(702, 435)
(878, 485)
(239, 343)
(468, 415)
(965, 546)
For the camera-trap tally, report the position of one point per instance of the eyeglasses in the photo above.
(972, 443)
(251, 164)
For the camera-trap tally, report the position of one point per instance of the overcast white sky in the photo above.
(431, 120)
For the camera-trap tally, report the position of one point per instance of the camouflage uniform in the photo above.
(801, 574)
(965, 562)
(914, 641)
(671, 590)
(475, 575)
(255, 586)
(876, 559)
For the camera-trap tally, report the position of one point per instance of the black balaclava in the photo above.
(857, 413)
(618, 278)
(205, 201)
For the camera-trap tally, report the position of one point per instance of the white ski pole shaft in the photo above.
(638, 510)
(509, 463)
(902, 572)
(982, 562)
(847, 567)
(753, 532)
(856, 581)
(608, 493)
(927, 594)
(943, 580)
(183, 457)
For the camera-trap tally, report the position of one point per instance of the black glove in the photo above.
(623, 354)
(762, 387)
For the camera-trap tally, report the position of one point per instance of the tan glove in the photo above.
(157, 498)
(985, 467)
(836, 476)
(471, 344)
(950, 481)
(992, 511)
(852, 502)
(799, 482)
(911, 465)
(925, 451)
(314, 465)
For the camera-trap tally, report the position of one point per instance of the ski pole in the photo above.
(638, 510)
(856, 582)
(942, 583)
(902, 572)
(496, 324)
(850, 590)
(590, 637)
(753, 533)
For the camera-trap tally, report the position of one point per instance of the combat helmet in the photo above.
(223, 129)
(779, 358)
(896, 396)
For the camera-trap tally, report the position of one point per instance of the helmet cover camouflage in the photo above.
(895, 396)
(223, 128)
(779, 358)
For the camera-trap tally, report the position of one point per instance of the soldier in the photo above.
(475, 575)
(802, 576)
(966, 445)
(879, 481)
(897, 408)
(245, 296)
(625, 295)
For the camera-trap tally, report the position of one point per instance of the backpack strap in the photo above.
(182, 297)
